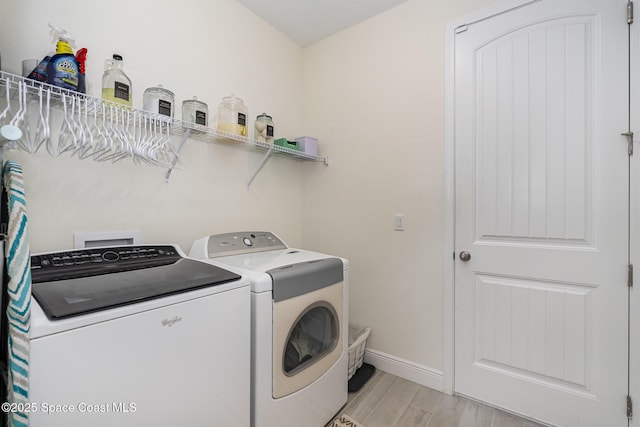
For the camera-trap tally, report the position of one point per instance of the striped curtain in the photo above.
(19, 294)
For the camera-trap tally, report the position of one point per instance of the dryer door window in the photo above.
(308, 338)
(314, 335)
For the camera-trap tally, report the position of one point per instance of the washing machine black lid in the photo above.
(67, 284)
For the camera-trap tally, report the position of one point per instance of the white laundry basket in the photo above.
(357, 343)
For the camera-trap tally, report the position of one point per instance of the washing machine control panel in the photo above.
(243, 243)
(96, 261)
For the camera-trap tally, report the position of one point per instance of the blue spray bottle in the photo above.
(62, 69)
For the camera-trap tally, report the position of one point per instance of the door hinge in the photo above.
(629, 12)
(629, 136)
(629, 407)
(630, 275)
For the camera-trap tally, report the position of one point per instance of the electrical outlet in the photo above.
(398, 222)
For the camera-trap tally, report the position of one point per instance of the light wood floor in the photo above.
(389, 401)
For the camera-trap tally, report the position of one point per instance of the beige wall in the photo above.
(374, 94)
(209, 49)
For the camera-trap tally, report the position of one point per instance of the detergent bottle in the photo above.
(62, 68)
(81, 59)
(116, 85)
(40, 72)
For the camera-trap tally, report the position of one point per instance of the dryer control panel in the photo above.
(242, 243)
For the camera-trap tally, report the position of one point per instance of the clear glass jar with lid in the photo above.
(195, 111)
(158, 100)
(232, 116)
(264, 128)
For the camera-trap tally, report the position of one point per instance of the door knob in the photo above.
(465, 256)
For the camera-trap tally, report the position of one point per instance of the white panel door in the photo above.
(542, 209)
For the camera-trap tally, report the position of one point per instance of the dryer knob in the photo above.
(247, 241)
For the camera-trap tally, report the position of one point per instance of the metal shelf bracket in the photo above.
(186, 135)
(266, 157)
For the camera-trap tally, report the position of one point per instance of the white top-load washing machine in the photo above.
(299, 326)
(137, 336)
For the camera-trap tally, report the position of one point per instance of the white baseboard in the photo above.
(402, 368)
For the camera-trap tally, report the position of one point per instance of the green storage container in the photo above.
(292, 145)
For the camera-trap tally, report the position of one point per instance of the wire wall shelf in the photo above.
(106, 131)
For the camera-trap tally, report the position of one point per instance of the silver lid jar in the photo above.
(264, 128)
(195, 111)
(158, 100)
(232, 116)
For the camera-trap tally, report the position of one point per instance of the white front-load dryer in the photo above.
(299, 326)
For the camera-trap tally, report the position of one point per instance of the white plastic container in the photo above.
(308, 145)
